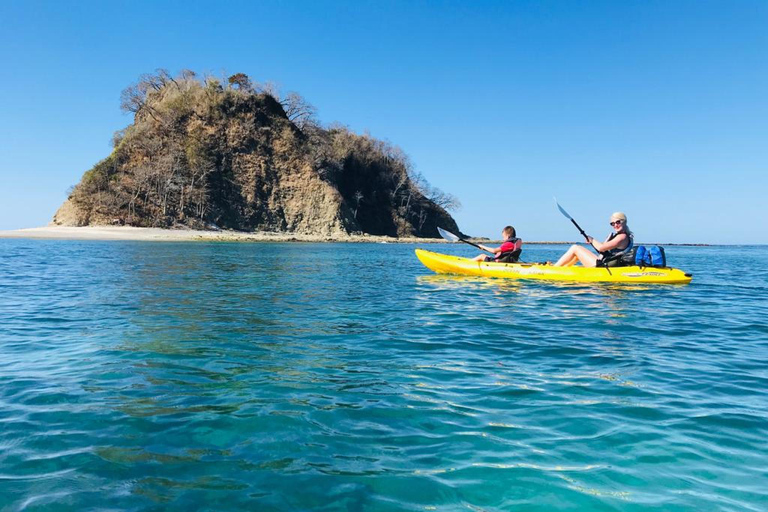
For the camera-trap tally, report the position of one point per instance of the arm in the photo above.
(607, 246)
(493, 250)
(506, 246)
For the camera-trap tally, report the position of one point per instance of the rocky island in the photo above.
(209, 153)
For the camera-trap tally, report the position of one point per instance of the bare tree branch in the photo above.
(299, 111)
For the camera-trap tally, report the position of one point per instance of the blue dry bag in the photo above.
(642, 258)
(649, 256)
(657, 257)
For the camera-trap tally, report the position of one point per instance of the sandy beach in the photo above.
(193, 235)
(183, 235)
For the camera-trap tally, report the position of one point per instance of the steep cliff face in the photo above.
(201, 154)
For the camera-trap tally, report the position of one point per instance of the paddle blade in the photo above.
(448, 235)
(562, 210)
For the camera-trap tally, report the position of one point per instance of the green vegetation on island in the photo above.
(205, 152)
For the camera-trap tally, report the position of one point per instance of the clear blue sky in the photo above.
(656, 108)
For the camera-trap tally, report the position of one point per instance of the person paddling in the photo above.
(508, 252)
(619, 241)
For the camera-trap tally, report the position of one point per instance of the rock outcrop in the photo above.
(203, 154)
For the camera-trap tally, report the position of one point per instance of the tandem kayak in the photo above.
(446, 264)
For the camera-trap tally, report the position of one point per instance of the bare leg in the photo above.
(586, 257)
(479, 257)
(577, 253)
(568, 258)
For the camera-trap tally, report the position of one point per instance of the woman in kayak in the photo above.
(507, 252)
(617, 242)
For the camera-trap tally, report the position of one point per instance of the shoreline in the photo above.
(130, 233)
(138, 234)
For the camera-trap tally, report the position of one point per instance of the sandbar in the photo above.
(184, 235)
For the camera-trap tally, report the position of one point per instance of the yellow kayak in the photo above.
(445, 264)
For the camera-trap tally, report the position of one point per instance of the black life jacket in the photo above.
(612, 256)
(513, 255)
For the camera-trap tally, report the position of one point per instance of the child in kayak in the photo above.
(507, 252)
(620, 240)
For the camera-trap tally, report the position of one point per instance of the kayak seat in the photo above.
(511, 256)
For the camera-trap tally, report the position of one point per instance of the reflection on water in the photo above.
(322, 376)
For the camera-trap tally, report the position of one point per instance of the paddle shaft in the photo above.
(455, 238)
(474, 245)
(585, 236)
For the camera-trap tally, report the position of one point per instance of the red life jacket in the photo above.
(510, 251)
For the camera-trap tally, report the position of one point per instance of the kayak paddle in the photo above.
(562, 210)
(455, 238)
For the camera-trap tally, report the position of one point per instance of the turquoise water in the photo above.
(162, 376)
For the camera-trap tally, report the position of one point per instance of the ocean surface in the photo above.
(236, 376)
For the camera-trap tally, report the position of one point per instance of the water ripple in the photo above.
(327, 377)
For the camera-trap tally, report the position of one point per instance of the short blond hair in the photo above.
(619, 216)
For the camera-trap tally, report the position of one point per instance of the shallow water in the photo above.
(149, 376)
